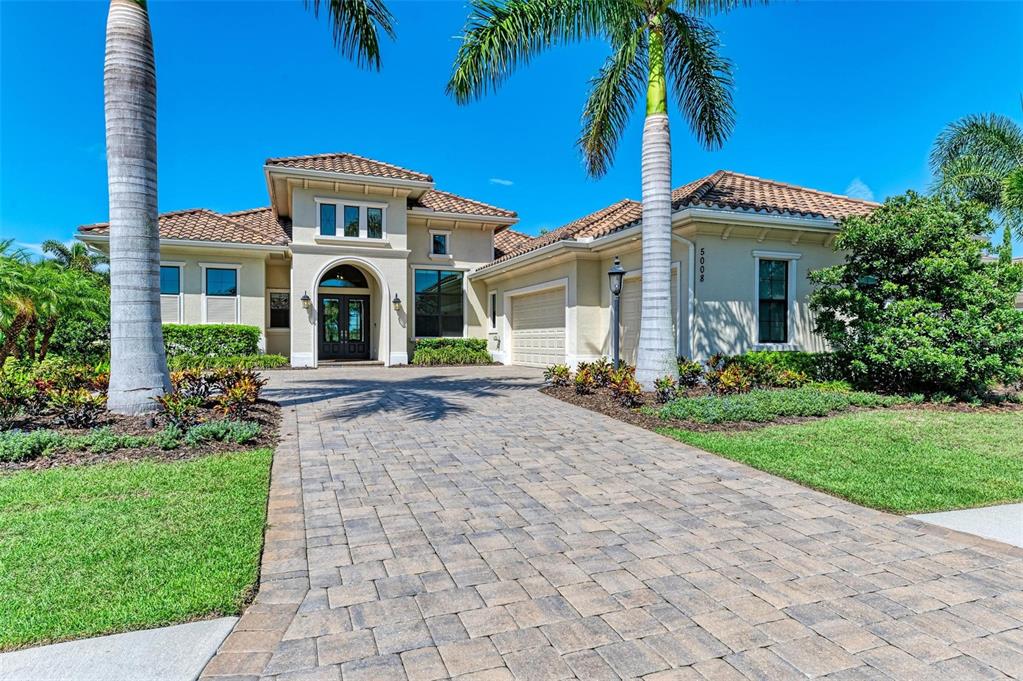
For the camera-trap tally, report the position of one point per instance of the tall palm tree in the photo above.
(138, 365)
(654, 43)
(980, 157)
(76, 256)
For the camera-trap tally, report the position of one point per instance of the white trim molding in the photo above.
(383, 307)
(181, 290)
(790, 299)
(339, 205)
(203, 266)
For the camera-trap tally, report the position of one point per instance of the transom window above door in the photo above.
(350, 219)
(344, 276)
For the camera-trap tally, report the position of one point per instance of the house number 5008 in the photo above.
(703, 262)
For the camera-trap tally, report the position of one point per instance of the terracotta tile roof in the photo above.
(723, 189)
(445, 202)
(255, 226)
(509, 240)
(349, 164)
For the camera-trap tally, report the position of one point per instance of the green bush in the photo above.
(665, 389)
(76, 407)
(437, 351)
(767, 405)
(255, 361)
(557, 375)
(690, 373)
(16, 445)
(82, 339)
(228, 430)
(210, 340)
(915, 308)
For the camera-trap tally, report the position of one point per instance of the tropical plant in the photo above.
(624, 388)
(665, 389)
(653, 43)
(915, 309)
(558, 375)
(76, 407)
(75, 256)
(180, 409)
(137, 358)
(690, 373)
(980, 157)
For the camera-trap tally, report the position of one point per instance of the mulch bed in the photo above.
(267, 414)
(601, 402)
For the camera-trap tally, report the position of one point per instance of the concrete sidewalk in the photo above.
(176, 653)
(1002, 523)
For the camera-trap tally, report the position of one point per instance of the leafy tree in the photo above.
(915, 308)
(653, 43)
(138, 365)
(77, 256)
(980, 157)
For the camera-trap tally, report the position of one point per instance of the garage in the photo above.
(538, 328)
(632, 309)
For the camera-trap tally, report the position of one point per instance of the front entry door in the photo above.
(344, 327)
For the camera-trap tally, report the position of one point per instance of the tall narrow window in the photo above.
(375, 223)
(280, 310)
(221, 290)
(328, 219)
(170, 294)
(351, 221)
(438, 303)
(440, 243)
(493, 310)
(773, 310)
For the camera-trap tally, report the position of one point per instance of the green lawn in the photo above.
(98, 549)
(904, 461)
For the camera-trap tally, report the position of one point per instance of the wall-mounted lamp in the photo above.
(396, 303)
(306, 300)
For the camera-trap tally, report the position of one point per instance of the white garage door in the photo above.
(538, 328)
(632, 309)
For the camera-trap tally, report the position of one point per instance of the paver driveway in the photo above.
(457, 523)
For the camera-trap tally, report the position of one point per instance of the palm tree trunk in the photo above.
(11, 335)
(44, 343)
(138, 365)
(30, 338)
(656, 355)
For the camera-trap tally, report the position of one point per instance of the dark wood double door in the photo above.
(344, 327)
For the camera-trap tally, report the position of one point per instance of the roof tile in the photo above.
(349, 164)
(254, 226)
(445, 202)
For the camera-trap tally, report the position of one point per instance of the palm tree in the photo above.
(980, 157)
(653, 43)
(138, 365)
(17, 287)
(76, 256)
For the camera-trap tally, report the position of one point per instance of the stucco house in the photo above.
(354, 259)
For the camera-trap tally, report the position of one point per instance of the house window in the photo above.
(493, 310)
(220, 294)
(351, 221)
(375, 223)
(328, 219)
(773, 303)
(170, 294)
(440, 244)
(280, 310)
(438, 303)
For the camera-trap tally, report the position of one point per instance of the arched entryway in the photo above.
(350, 325)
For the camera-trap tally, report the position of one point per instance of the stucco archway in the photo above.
(380, 307)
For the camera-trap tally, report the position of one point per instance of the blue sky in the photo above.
(830, 95)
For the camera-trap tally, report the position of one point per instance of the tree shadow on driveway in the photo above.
(417, 398)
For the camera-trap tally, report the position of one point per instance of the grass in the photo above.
(907, 461)
(98, 549)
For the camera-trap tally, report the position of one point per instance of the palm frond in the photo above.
(700, 78)
(499, 36)
(355, 25)
(612, 98)
(706, 8)
(971, 177)
(993, 137)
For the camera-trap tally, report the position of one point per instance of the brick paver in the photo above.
(447, 523)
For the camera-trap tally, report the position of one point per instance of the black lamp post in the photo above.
(615, 275)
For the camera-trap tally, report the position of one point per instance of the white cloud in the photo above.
(34, 248)
(858, 189)
(501, 181)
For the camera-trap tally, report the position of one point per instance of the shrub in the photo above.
(180, 409)
(766, 405)
(256, 361)
(730, 380)
(239, 390)
(584, 383)
(765, 366)
(440, 351)
(17, 392)
(936, 317)
(168, 438)
(602, 371)
(625, 389)
(16, 445)
(210, 340)
(82, 338)
(557, 375)
(238, 432)
(666, 389)
(76, 407)
(192, 383)
(690, 373)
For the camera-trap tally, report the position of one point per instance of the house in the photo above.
(354, 259)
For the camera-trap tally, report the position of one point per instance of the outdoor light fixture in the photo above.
(396, 303)
(306, 301)
(615, 275)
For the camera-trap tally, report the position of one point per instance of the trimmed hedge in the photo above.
(818, 366)
(182, 362)
(210, 340)
(437, 351)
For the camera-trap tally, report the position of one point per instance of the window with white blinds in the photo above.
(220, 294)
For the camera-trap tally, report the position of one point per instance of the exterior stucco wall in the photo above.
(305, 215)
(251, 283)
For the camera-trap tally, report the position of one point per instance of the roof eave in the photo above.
(346, 177)
(193, 243)
(442, 215)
